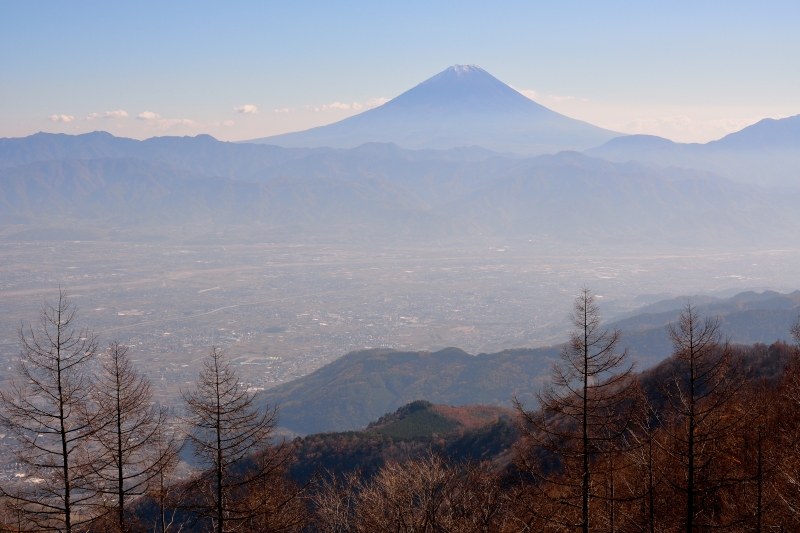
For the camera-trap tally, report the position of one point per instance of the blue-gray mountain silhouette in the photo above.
(766, 153)
(462, 106)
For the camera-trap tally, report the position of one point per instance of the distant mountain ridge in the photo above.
(766, 153)
(421, 427)
(462, 106)
(201, 154)
(134, 193)
(379, 191)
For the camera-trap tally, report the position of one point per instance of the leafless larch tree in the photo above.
(583, 412)
(699, 418)
(131, 445)
(49, 409)
(232, 438)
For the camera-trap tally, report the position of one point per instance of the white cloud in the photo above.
(247, 109)
(148, 115)
(529, 93)
(284, 110)
(355, 106)
(559, 99)
(119, 113)
(334, 105)
(61, 118)
(227, 123)
(375, 102)
(169, 123)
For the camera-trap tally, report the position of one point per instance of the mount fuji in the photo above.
(461, 106)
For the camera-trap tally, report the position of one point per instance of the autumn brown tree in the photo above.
(755, 499)
(425, 495)
(582, 414)
(641, 481)
(788, 417)
(232, 439)
(48, 408)
(699, 418)
(163, 488)
(130, 448)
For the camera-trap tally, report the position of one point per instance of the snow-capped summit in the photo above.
(461, 106)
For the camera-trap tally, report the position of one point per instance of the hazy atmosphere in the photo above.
(530, 248)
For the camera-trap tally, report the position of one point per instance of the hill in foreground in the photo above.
(358, 388)
(472, 432)
(477, 432)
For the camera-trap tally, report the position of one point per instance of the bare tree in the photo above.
(274, 501)
(788, 417)
(642, 480)
(130, 433)
(698, 416)
(162, 491)
(48, 408)
(582, 411)
(410, 497)
(231, 438)
(426, 495)
(336, 503)
(756, 502)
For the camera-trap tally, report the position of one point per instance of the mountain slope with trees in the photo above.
(359, 387)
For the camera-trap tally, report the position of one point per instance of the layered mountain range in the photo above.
(766, 153)
(470, 173)
(376, 191)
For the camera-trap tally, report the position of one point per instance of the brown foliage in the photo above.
(424, 495)
(131, 450)
(233, 439)
(583, 416)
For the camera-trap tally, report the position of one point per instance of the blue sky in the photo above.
(240, 70)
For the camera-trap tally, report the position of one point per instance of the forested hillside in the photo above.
(357, 388)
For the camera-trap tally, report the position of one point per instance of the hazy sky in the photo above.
(240, 70)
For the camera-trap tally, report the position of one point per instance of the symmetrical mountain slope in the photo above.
(461, 106)
(766, 153)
